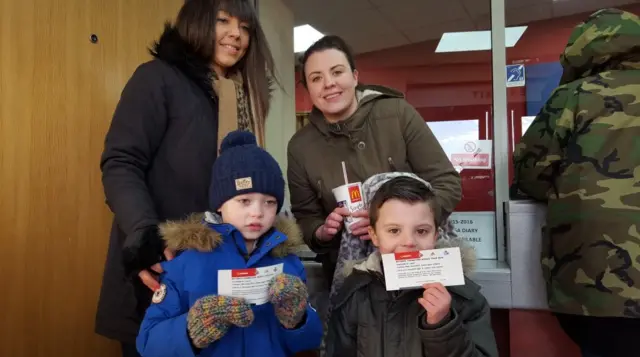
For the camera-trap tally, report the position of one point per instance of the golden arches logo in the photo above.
(354, 194)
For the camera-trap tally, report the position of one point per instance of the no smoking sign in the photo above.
(470, 146)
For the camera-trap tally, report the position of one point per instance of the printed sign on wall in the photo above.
(478, 229)
(459, 140)
(473, 154)
(515, 75)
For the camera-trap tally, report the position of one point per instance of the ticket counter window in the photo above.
(465, 143)
(537, 56)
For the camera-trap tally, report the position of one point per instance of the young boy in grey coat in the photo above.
(435, 321)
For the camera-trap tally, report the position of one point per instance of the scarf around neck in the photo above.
(235, 110)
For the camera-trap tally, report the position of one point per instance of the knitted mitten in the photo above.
(288, 294)
(211, 317)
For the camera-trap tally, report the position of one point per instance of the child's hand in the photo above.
(288, 294)
(436, 300)
(211, 316)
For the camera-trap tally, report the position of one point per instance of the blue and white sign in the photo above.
(515, 75)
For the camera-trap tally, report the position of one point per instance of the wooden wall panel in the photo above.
(57, 95)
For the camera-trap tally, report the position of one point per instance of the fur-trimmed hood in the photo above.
(174, 50)
(374, 262)
(194, 233)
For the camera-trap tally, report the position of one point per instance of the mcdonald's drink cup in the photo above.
(350, 196)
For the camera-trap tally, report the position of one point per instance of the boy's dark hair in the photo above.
(405, 189)
(196, 24)
(326, 43)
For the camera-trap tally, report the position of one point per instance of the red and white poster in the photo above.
(472, 154)
(460, 141)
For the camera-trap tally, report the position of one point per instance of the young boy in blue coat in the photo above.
(189, 314)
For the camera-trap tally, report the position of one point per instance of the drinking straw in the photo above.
(344, 173)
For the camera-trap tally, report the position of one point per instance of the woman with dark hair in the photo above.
(211, 74)
(372, 129)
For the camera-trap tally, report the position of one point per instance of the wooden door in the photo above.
(58, 91)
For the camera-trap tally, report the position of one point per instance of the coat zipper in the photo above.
(384, 319)
(395, 298)
(344, 130)
(319, 189)
(390, 306)
(393, 166)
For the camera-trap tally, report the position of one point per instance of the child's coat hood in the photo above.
(193, 233)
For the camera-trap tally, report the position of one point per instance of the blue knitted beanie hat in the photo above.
(243, 167)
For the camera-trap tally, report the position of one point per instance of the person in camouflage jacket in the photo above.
(581, 155)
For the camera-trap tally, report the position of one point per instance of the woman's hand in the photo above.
(436, 300)
(332, 225)
(150, 279)
(361, 227)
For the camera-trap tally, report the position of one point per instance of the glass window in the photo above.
(548, 26)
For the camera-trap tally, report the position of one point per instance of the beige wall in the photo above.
(277, 22)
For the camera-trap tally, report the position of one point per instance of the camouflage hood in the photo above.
(607, 40)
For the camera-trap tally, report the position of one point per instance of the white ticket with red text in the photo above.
(413, 269)
(251, 284)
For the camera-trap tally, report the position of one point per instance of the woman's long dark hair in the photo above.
(196, 23)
